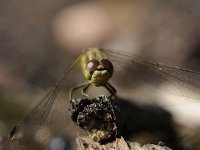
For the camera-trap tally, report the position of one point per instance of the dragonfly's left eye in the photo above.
(92, 65)
(107, 64)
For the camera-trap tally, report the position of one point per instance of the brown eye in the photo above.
(92, 65)
(107, 64)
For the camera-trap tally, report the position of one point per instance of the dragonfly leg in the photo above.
(76, 88)
(84, 91)
(111, 89)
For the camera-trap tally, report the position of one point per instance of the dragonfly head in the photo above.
(99, 72)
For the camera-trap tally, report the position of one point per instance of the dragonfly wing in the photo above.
(176, 80)
(24, 135)
(25, 131)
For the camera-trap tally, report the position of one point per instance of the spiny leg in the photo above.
(111, 89)
(84, 91)
(85, 84)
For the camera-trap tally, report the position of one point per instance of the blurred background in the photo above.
(38, 39)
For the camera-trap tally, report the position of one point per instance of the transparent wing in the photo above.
(43, 121)
(137, 70)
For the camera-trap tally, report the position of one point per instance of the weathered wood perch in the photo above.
(105, 123)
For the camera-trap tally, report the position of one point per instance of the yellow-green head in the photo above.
(99, 72)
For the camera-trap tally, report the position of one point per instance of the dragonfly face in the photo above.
(99, 72)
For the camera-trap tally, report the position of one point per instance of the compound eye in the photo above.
(92, 65)
(107, 64)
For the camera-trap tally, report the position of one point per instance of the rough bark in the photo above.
(85, 143)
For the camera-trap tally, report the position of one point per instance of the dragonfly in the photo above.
(97, 70)
(99, 66)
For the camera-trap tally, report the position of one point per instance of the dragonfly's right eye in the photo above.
(92, 65)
